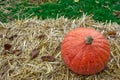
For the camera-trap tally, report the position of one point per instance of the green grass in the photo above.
(102, 10)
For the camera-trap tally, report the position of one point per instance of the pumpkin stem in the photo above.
(88, 40)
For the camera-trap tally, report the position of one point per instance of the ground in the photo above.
(101, 10)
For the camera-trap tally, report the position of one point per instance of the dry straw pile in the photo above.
(19, 38)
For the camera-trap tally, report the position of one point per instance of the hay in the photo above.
(46, 35)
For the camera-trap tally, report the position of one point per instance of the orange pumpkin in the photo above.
(85, 51)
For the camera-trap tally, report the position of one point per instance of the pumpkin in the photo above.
(85, 51)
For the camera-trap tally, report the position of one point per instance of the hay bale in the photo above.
(46, 36)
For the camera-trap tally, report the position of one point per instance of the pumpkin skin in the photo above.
(85, 51)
